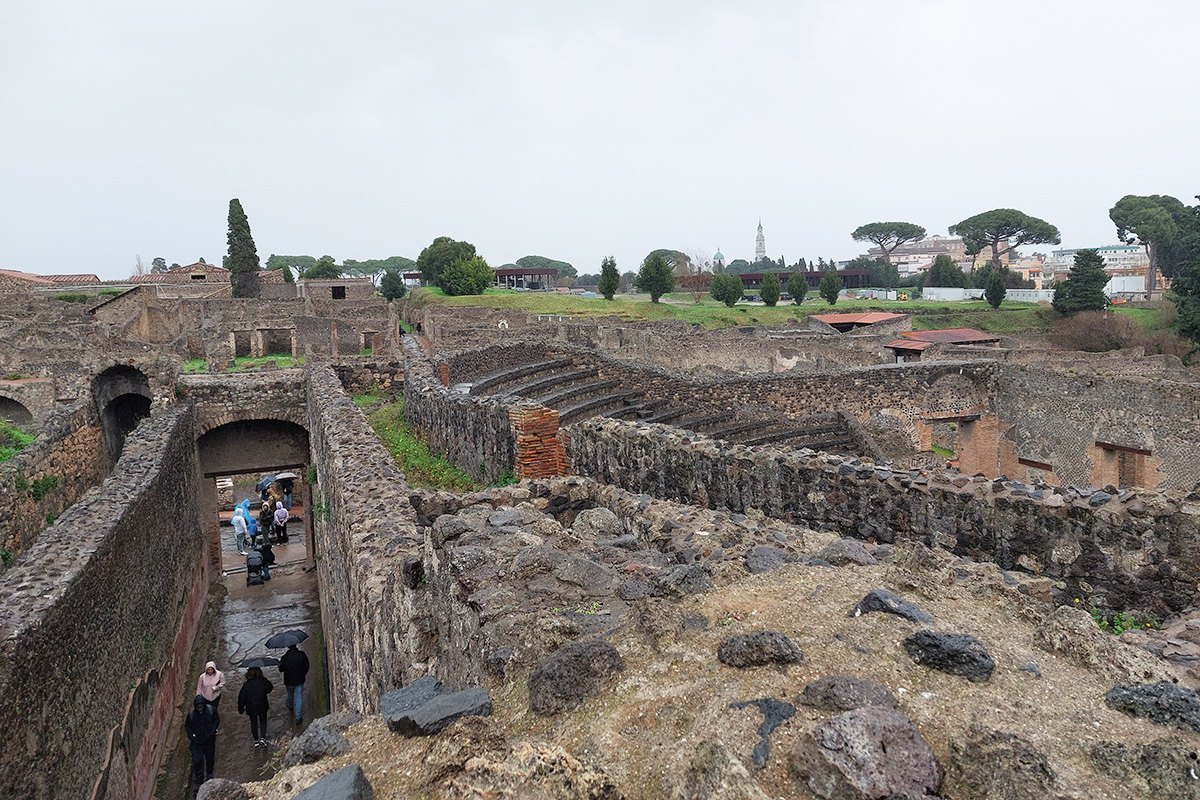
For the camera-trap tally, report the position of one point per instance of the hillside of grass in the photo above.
(1010, 318)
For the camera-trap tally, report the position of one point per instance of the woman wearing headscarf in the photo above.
(281, 520)
(211, 684)
(240, 529)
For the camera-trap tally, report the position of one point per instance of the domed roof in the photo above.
(717, 256)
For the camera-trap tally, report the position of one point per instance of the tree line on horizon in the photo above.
(1168, 229)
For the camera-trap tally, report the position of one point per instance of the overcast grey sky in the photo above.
(576, 130)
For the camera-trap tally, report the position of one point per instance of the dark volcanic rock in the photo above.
(869, 753)
(1162, 770)
(437, 713)
(757, 649)
(846, 551)
(844, 693)
(990, 765)
(314, 744)
(399, 702)
(1162, 703)
(884, 601)
(565, 677)
(765, 558)
(774, 713)
(222, 789)
(680, 580)
(956, 653)
(347, 783)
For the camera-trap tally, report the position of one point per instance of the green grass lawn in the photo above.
(710, 314)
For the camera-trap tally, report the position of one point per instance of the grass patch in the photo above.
(364, 400)
(244, 363)
(12, 440)
(942, 451)
(420, 465)
(710, 314)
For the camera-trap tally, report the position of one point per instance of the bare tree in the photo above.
(139, 268)
(697, 273)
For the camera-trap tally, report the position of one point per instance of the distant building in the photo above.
(916, 257)
(912, 343)
(760, 244)
(718, 261)
(1119, 259)
(192, 273)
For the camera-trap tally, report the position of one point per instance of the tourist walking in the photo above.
(201, 728)
(294, 666)
(281, 520)
(252, 700)
(211, 684)
(239, 529)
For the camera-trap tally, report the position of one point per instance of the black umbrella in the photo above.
(260, 661)
(262, 485)
(286, 639)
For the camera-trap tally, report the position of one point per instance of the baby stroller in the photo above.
(254, 568)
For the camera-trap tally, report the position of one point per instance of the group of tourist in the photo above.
(268, 525)
(204, 720)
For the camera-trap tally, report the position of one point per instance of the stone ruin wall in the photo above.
(1138, 551)
(369, 551)
(475, 433)
(667, 344)
(97, 620)
(68, 450)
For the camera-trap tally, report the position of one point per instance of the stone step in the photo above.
(489, 383)
(667, 416)
(530, 388)
(590, 408)
(555, 399)
(788, 434)
(734, 430)
(705, 421)
(639, 410)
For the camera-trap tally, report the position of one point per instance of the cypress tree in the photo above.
(1083, 290)
(610, 281)
(242, 261)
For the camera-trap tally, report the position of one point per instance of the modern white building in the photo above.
(1119, 259)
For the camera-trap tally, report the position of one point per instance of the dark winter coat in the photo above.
(201, 723)
(253, 696)
(267, 553)
(294, 666)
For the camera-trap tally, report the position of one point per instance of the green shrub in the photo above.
(43, 486)
(12, 440)
(74, 297)
(468, 276)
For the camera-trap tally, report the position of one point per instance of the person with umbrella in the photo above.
(252, 700)
(294, 666)
(201, 728)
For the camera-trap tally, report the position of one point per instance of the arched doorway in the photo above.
(14, 411)
(123, 396)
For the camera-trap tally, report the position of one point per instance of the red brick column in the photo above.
(539, 452)
(444, 373)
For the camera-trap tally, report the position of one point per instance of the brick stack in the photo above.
(444, 373)
(539, 452)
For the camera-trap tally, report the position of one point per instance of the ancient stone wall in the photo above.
(49, 475)
(370, 376)
(378, 630)
(234, 396)
(1137, 550)
(97, 619)
(475, 433)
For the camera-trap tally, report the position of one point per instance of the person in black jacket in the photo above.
(268, 557)
(201, 728)
(252, 700)
(294, 666)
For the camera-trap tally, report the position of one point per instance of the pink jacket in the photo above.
(210, 686)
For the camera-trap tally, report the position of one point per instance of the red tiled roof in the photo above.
(72, 280)
(198, 267)
(907, 344)
(25, 276)
(951, 336)
(150, 277)
(866, 318)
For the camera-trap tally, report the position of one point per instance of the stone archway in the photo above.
(122, 394)
(246, 446)
(14, 411)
